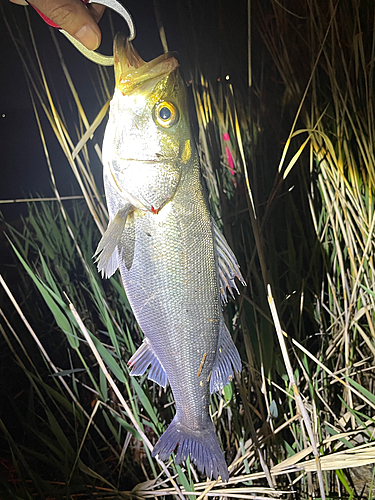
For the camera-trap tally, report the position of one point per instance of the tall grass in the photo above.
(296, 205)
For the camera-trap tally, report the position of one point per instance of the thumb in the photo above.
(74, 17)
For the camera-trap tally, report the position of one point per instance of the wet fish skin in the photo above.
(174, 262)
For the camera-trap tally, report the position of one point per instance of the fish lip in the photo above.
(132, 72)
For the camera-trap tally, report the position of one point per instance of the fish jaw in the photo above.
(144, 161)
(132, 73)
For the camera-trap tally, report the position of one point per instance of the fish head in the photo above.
(147, 144)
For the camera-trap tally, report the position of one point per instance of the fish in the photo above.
(176, 266)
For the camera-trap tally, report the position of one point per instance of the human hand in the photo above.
(74, 17)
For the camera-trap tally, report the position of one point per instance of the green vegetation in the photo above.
(290, 167)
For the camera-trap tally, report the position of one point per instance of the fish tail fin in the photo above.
(202, 445)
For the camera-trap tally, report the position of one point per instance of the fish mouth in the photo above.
(132, 72)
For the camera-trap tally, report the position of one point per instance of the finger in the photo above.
(95, 10)
(19, 2)
(74, 17)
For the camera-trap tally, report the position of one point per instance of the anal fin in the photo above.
(228, 265)
(142, 359)
(106, 253)
(226, 362)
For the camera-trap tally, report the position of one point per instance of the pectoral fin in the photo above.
(106, 253)
(140, 361)
(228, 265)
(227, 359)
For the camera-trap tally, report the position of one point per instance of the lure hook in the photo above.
(96, 57)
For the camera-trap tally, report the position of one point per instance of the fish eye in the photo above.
(166, 114)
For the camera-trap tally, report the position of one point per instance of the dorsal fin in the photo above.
(228, 265)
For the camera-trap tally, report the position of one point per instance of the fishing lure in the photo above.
(93, 56)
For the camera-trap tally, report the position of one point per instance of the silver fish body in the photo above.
(174, 262)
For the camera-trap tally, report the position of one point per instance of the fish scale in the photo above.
(165, 287)
(174, 262)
